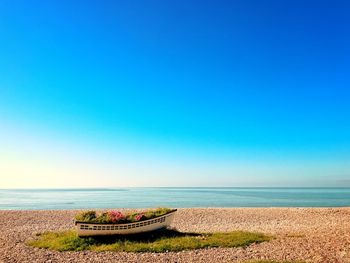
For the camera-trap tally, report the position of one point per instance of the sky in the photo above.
(174, 93)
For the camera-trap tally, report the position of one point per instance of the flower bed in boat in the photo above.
(117, 217)
(116, 223)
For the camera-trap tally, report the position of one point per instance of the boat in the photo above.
(102, 229)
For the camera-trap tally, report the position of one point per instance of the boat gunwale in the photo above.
(97, 223)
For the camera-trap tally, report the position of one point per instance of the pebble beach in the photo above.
(304, 234)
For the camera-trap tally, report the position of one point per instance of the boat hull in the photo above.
(93, 229)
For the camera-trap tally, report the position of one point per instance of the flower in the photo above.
(140, 216)
(116, 216)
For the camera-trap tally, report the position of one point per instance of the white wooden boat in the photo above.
(97, 229)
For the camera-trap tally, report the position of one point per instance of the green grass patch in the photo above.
(158, 241)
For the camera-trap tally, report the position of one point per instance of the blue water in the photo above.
(173, 197)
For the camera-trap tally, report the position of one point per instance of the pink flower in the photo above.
(139, 216)
(116, 216)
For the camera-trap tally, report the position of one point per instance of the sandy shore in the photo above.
(311, 234)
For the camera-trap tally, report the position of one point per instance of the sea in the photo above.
(175, 197)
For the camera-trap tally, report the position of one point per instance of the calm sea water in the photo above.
(173, 197)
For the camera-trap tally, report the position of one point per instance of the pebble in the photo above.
(320, 235)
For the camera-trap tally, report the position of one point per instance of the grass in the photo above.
(159, 241)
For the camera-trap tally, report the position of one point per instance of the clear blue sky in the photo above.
(175, 93)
